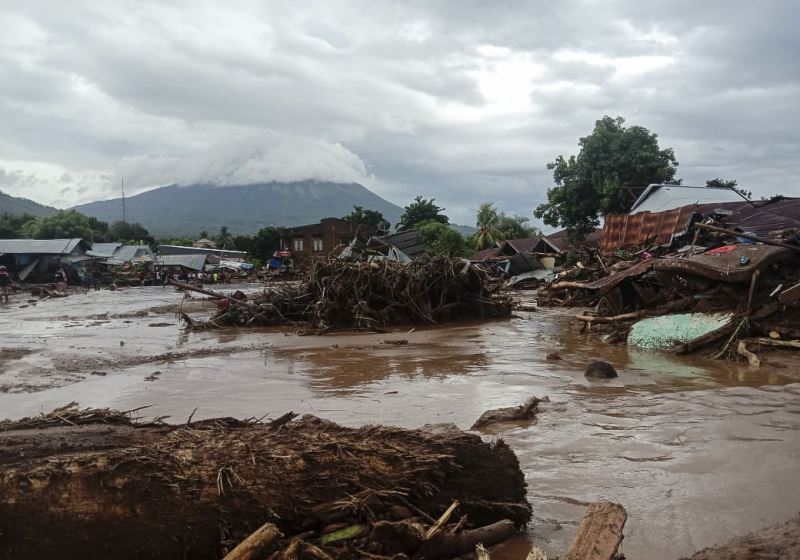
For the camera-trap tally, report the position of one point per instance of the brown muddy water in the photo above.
(697, 451)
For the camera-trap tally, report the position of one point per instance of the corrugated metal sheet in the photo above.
(609, 282)
(41, 246)
(648, 228)
(660, 198)
(409, 242)
(192, 262)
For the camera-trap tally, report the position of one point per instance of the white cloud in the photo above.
(457, 100)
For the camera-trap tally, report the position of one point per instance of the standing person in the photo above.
(5, 281)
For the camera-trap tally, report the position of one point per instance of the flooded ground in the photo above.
(697, 451)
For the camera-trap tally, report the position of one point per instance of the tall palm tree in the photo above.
(486, 221)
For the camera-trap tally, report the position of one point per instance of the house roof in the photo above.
(522, 245)
(42, 246)
(104, 249)
(659, 198)
(227, 254)
(192, 262)
(486, 254)
(761, 218)
(559, 241)
(409, 242)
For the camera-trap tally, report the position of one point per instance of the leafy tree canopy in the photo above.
(125, 232)
(12, 226)
(441, 239)
(64, 224)
(224, 239)
(495, 226)
(728, 184)
(612, 159)
(265, 243)
(422, 210)
(368, 217)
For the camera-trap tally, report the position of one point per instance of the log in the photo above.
(122, 490)
(599, 534)
(613, 319)
(523, 412)
(568, 285)
(448, 544)
(253, 547)
(764, 341)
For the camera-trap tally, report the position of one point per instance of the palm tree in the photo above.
(486, 221)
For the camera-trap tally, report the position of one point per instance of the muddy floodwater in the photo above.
(697, 451)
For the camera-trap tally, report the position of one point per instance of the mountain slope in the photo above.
(186, 211)
(17, 205)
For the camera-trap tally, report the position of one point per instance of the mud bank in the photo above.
(91, 484)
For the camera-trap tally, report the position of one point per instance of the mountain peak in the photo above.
(177, 211)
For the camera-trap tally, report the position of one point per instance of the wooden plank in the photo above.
(600, 533)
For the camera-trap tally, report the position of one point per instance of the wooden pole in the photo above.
(254, 546)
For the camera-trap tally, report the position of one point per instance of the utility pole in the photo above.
(123, 199)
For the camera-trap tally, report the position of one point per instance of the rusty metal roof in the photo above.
(650, 228)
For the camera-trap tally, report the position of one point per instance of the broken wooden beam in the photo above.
(599, 534)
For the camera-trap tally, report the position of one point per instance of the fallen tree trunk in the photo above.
(121, 490)
(614, 319)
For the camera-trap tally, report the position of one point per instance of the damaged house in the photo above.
(37, 260)
(301, 245)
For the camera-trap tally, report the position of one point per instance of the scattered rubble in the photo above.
(367, 295)
(707, 286)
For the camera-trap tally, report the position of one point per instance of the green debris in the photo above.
(664, 332)
(343, 534)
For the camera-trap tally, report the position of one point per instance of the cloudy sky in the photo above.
(461, 100)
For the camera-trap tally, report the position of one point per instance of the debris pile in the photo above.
(719, 288)
(114, 488)
(368, 295)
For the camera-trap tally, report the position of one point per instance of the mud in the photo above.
(698, 451)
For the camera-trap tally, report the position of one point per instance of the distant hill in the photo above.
(177, 211)
(16, 205)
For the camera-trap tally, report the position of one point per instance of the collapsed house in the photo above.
(219, 254)
(38, 260)
(185, 263)
(688, 277)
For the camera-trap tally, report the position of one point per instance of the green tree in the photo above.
(422, 210)
(179, 241)
(719, 183)
(265, 243)
(224, 239)
(62, 224)
(516, 227)
(441, 239)
(613, 165)
(12, 226)
(125, 232)
(368, 217)
(204, 234)
(486, 221)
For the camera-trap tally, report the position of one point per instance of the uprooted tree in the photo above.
(614, 165)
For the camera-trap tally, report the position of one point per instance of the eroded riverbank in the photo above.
(697, 451)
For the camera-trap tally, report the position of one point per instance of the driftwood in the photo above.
(369, 296)
(752, 359)
(614, 319)
(599, 534)
(774, 343)
(124, 490)
(525, 411)
(253, 547)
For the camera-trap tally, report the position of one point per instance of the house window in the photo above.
(297, 244)
(317, 242)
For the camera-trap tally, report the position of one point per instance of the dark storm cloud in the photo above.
(459, 100)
